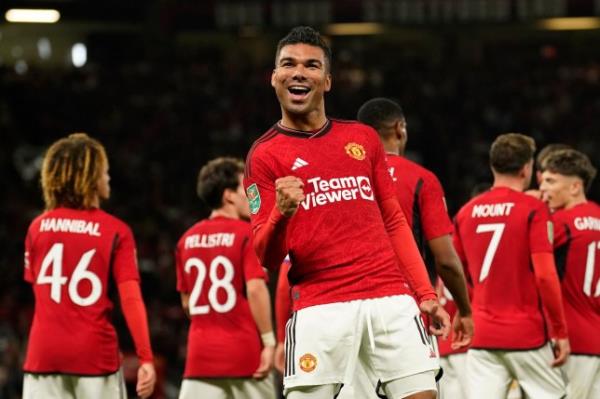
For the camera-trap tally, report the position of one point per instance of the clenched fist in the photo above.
(289, 194)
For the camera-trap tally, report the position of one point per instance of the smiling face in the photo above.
(300, 78)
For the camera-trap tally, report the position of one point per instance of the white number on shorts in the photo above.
(497, 229)
(589, 270)
(215, 284)
(54, 258)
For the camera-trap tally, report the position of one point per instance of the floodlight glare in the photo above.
(32, 15)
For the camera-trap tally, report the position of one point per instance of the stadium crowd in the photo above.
(160, 120)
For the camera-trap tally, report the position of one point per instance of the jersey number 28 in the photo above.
(216, 283)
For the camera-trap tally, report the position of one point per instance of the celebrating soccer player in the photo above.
(72, 250)
(231, 341)
(319, 190)
(567, 176)
(504, 237)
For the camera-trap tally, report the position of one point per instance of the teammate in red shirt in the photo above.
(223, 290)
(540, 162)
(421, 197)
(319, 190)
(568, 175)
(504, 238)
(72, 251)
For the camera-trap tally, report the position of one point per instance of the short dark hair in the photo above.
(510, 152)
(215, 177)
(570, 162)
(379, 112)
(305, 35)
(546, 151)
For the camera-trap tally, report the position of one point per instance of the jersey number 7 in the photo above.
(497, 229)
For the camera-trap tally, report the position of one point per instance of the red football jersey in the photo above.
(337, 241)
(495, 235)
(214, 259)
(421, 197)
(577, 250)
(70, 256)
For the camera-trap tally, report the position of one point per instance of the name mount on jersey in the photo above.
(491, 210)
(337, 189)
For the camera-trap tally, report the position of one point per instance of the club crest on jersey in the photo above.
(253, 198)
(550, 231)
(308, 362)
(356, 151)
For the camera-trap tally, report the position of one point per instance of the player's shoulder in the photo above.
(110, 220)
(355, 127)
(265, 141)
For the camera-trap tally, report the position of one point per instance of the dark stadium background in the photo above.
(170, 84)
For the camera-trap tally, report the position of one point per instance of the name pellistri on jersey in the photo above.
(209, 240)
(337, 189)
(76, 226)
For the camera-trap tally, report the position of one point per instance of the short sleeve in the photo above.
(541, 230)
(182, 285)
(259, 182)
(252, 267)
(434, 216)
(124, 256)
(28, 272)
(560, 230)
(382, 181)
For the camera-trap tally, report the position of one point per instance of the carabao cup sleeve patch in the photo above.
(253, 198)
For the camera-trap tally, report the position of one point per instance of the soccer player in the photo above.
(567, 176)
(421, 197)
(231, 341)
(72, 251)
(504, 238)
(319, 190)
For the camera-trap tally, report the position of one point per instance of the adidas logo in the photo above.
(299, 163)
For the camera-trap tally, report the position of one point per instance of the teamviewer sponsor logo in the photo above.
(338, 189)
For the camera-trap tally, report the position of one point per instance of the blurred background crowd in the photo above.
(164, 103)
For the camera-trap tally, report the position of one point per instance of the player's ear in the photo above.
(226, 198)
(327, 82)
(273, 78)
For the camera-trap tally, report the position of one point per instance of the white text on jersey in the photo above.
(70, 226)
(337, 189)
(490, 210)
(587, 223)
(209, 240)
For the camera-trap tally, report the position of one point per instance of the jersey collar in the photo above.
(304, 134)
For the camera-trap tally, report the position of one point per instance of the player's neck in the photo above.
(226, 212)
(309, 122)
(513, 182)
(96, 202)
(578, 200)
(393, 149)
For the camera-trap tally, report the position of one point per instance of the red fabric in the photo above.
(337, 242)
(403, 242)
(577, 251)
(547, 281)
(283, 302)
(214, 259)
(270, 240)
(447, 301)
(428, 203)
(508, 226)
(73, 335)
(136, 318)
